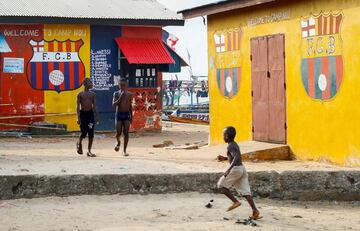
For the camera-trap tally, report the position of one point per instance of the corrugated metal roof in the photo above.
(144, 51)
(88, 9)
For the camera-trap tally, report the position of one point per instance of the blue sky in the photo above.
(192, 37)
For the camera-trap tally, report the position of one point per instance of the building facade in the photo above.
(42, 74)
(286, 72)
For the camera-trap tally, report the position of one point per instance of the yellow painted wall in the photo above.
(65, 102)
(317, 130)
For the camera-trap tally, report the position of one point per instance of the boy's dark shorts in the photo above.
(87, 122)
(122, 116)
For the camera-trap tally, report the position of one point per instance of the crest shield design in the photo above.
(55, 65)
(322, 61)
(228, 81)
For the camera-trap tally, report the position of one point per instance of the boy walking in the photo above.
(86, 108)
(236, 176)
(122, 100)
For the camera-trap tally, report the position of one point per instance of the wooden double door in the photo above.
(268, 88)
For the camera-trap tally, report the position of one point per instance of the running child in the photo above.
(236, 175)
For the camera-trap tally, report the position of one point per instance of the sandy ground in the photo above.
(31, 155)
(171, 212)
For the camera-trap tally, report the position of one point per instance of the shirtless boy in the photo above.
(236, 175)
(122, 100)
(86, 108)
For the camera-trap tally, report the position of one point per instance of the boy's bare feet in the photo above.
(234, 206)
(90, 154)
(125, 154)
(255, 216)
(117, 147)
(79, 148)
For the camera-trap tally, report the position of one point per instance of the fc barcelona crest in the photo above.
(228, 81)
(322, 64)
(55, 65)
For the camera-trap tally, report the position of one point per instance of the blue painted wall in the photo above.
(103, 68)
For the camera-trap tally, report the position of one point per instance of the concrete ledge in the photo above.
(312, 185)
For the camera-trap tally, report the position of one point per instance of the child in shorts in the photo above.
(236, 175)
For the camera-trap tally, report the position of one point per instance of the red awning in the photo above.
(144, 51)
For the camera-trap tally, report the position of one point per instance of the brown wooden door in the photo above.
(268, 89)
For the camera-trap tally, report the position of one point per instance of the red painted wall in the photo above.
(16, 95)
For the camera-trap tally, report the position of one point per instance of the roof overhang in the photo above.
(91, 21)
(220, 7)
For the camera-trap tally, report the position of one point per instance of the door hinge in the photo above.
(285, 126)
(253, 130)
(250, 57)
(268, 74)
(252, 93)
(285, 86)
(284, 54)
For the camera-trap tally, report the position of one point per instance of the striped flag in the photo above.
(228, 81)
(228, 41)
(55, 65)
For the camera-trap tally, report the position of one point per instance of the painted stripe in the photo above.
(76, 75)
(81, 73)
(331, 24)
(229, 48)
(325, 71)
(325, 26)
(338, 22)
(51, 47)
(71, 76)
(50, 69)
(332, 67)
(218, 73)
(33, 74)
(222, 82)
(56, 67)
(44, 75)
(320, 19)
(60, 46)
(46, 46)
(226, 74)
(234, 40)
(305, 74)
(67, 76)
(72, 46)
(61, 68)
(339, 71)
(317, 73)
(238, 78)
(239, 40)
(235, 81)
(68, 46)
(56, 48)
(77, 46)
(311, 77)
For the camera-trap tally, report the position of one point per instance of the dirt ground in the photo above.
(171, 212)
(34, 155)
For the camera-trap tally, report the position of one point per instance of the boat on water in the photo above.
(187, 120)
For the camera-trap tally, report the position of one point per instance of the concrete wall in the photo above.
(322, 125)
(312, 185)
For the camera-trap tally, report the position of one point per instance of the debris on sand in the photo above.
(208, 205)
(297, 216)
(221, 158)
(246, 222)
(191, 147)
(164, 144)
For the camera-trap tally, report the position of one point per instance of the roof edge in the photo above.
(91, 21)
(220, 7)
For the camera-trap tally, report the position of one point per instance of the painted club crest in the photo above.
(228, 81)
(55, 65)
(228, 41)
(322, 64)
